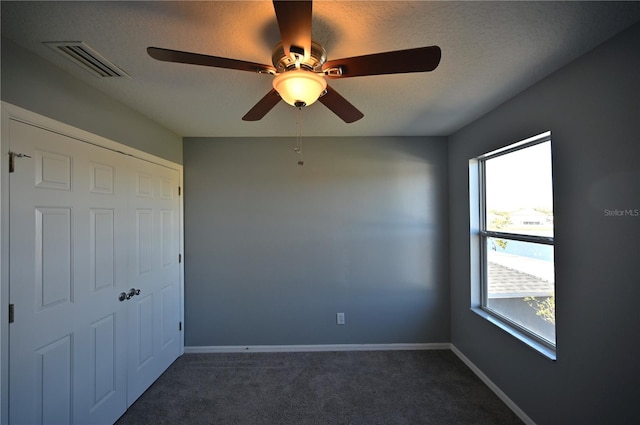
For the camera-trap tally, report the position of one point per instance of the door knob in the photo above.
(122, 296)
(132, 293)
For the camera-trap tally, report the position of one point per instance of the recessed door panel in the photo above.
(101, 179)
(102, 248)
(168, 314)
(53, 171)
(53, 373)
(144, 240)
(104, 359)
(145, 332)
(144, 185)
(167, 188)
(53, 256)
(167, 234)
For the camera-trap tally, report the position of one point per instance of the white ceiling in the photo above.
(490, 52)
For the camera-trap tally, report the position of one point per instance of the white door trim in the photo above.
(10, 112)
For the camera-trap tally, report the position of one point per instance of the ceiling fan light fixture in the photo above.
(298, 87)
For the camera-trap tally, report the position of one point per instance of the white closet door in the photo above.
(68, 252)
(154, 314)
(87, 224)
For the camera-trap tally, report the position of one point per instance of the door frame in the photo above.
(12, 112)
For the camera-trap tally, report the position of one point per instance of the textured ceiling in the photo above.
(490, 52)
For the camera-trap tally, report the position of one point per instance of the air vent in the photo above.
(87, 58)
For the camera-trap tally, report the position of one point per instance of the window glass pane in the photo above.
(520, 284)
(519, 191)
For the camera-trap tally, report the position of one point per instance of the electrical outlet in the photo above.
(340, 318)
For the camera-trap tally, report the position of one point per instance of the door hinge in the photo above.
(12, 160)
(179, 258)
(179, 326)
(179, 190)
(11, 313)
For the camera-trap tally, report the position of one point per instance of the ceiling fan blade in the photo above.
(340, 106)
(294, 20)
(263, 106)
(178, 56)
(421, 59)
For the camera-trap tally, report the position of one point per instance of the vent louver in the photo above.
(87, 58)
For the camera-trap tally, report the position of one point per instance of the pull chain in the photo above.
(298, 148)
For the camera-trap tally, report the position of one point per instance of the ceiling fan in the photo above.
(301, 68)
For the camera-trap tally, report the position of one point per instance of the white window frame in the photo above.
(478, 247)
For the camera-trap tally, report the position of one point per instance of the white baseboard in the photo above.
(502, 396)
(320, 347)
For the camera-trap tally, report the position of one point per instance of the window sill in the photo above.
(537, 346)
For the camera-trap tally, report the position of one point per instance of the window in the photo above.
(512, 240)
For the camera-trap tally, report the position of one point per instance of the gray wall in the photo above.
(274, 250)
(38, 86)
(592, 108)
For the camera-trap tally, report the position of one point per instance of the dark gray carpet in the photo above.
(323, 388)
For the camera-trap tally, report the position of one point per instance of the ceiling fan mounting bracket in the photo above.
(266, 71)
(296, 52)
(335, 71)
(314, 62)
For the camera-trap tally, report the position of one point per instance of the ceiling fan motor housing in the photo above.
(314, 62)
